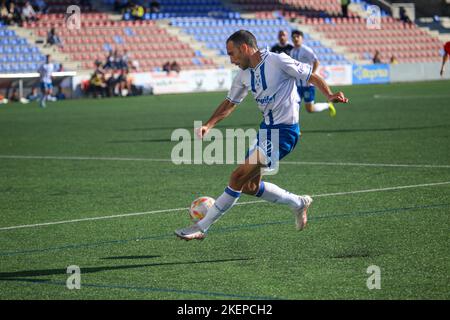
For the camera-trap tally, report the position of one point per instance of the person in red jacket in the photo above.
(445, 57)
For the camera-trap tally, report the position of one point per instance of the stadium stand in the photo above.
(214, 32)
(336, 40)
(406, 42)
(182, 8)
(16, 54)
(291, 8)
(60, 6)
(144, 40)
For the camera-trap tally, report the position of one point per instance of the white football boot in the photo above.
(301, 217)
(190, 233)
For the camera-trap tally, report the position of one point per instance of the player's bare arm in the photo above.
(325, 89)
(222, 111)
(315, 66)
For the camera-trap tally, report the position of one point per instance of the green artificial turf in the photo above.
(61, 164)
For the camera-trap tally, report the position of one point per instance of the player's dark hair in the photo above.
(243, 36)
(297, 33)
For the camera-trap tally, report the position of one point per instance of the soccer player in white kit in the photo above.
(306, 90)
(272, 80)
(45, 73)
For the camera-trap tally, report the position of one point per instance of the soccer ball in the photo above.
(199, 207)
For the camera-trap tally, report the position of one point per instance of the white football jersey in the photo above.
(272, 83)
(46, 71)
(304, 54)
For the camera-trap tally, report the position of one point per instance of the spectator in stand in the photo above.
(41, 6)
(3, 100)
(175, 67)
(122, 83)
(155, 7)
(376, 58)
(28, 13)
(121, 6)
(120, 62)
(60, 94)
(393, 60)
(344, 7)
(98, 67)
(283, 45)
(137, 12)
(53, 39)
(14, 14)
(125, 58)
(111, 80)
(135, 65)
(4, 14)
(33, 95)
(404, 16)
(166, 67)
(97, 85)
(110, 60)
(14, 96)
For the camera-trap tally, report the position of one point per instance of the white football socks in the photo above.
(319, 107)
(272, 193)
(222, 205)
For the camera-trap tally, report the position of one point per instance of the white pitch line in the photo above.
(379, 96)
(356, 164)
(242, 203)
(91, 219)
(319, 163)
(81, 158)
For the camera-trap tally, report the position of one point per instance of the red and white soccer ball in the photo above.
(199, 208)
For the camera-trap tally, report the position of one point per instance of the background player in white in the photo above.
(306, 90)
(283, 44)
(45, 73)
(271, 78)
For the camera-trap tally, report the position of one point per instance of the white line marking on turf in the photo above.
(81, 158)
(242, 203)
(380, 96)
(356, 164)
(320, 163)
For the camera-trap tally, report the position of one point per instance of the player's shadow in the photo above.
(129, 257)
(306, 132)
(220, 126)
(85, 270)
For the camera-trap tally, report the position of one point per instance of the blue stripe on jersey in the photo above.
(252, 80)
(270, 118)
(263, 77)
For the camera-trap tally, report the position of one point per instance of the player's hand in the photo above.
(338, 98)
(202, 131)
